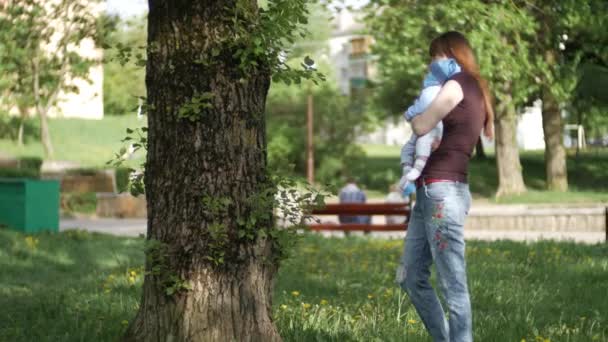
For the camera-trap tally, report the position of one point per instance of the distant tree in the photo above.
(38, 53)
(124, 78)
(568, 33)
(500, 34)
(337, 121)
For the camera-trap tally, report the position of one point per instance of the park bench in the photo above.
(356, 209)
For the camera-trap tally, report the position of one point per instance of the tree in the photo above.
(124, 80)
(583, 24)
(336, 122)
(38, 52)
(212, 249)
(498, 31)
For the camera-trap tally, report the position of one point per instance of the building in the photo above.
(87, 102)
(350, 53)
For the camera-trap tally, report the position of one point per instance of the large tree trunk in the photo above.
(219, 157)
(555, 154)
(510, 179)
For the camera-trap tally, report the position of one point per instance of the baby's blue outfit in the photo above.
(440, 72)
(420, 147)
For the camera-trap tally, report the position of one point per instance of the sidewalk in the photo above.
(137, 227)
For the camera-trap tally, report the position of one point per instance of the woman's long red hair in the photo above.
(455, 45)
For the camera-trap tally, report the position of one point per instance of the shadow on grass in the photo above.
(52, 286)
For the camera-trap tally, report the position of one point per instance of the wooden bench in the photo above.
(357, 209)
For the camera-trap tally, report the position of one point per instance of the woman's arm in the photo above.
(449, 96)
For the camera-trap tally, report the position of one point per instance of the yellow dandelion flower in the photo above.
(133, 273)
(412, 321)
(132, 280)
(283, 307)
(523, 340)
(306, 306)
(324, 302)
(295, 293)
(31, 242)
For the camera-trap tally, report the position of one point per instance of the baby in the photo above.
(417, 150)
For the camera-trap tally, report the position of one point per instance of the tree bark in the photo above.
(222, 155)
(45, 135)
(22, 116)
(510, 179)
(555, 154)
(20, 134)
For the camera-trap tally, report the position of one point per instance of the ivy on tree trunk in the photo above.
(210, 274)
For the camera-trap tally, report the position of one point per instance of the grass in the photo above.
(90, 142)
(77, 286)
(587, 176)
(93, 142)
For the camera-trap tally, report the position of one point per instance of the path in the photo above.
(136, 227)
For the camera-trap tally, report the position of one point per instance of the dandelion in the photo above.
(133, 273)
(131, 280)
(295, 293)
(31, 242)
(324, 302)
(283, 307)
(412, 321)
(523, 340)
(306, 306)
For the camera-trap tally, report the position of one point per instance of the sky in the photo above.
(128, 8)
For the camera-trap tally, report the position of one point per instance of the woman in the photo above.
(435, 231)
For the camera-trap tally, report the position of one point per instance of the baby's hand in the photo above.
(435, 145)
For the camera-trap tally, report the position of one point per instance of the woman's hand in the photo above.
(447, 99)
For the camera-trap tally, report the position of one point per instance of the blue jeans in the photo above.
(435, 233)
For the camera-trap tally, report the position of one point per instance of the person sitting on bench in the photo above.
(351, 193)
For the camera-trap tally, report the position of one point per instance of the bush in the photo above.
(336, 120)
(122, 179)
(9, 128)
(28, 167)
(19, 173)
(30, 163)
(79, 202)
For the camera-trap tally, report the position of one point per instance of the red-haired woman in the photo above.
(435, 232)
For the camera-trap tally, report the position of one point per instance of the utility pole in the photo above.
(310, 162)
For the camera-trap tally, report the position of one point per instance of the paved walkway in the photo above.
(136, 227)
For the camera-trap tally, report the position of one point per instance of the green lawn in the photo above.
(93, 142)
(587, 175)
(89, 142)
(77, 286)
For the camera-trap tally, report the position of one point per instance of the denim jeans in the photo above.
(435, 233)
